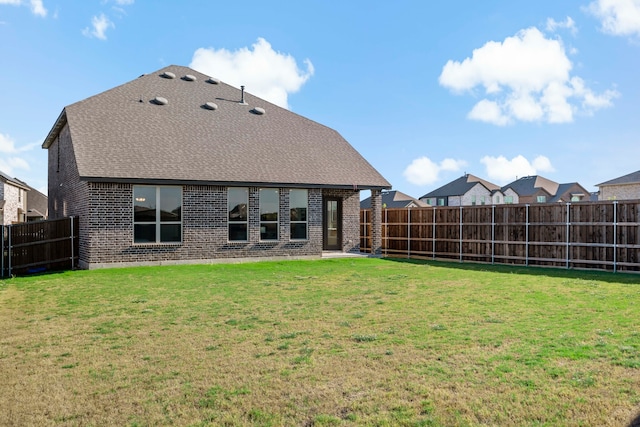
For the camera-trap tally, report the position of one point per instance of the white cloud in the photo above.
(124, 2)
(11, 164)
(100, 26)
(618, 17)
(37, 7)
(527, 78)
(502, 170)
(568, 24)
(423, 171)
(266, 73)
(7, 145)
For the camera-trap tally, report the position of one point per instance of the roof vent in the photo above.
(242, 99)
(213, 81)
(210, 105)
(189, 78)
(168, 75)
(158, 100)
(257, 110)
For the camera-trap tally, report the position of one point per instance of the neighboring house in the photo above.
(178, 167)
(626, 187)
(37, 205)
(571, 192)
(537, 189)
(394, 199)
(530, 189)
(13, 200)
(467, 190)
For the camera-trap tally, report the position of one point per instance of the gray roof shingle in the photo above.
(460, 186)
(394, 199)
(123, 135)
(631, 178)
(529, 185)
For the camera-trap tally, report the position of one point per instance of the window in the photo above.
(440, 202)
(298, 208)
(482, 200)
(237, 202)
(498, 200)
(157, 214)
(269, 208)
(473, 200)
(508, 200)
(541, 199)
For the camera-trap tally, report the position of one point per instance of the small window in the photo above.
(473, 200)
(237, 203)
(157, 214)
(482, 200)
(269, 208)
(498, 199)
(576, 198)
(541, 199)
(440, 202)
(298, 204)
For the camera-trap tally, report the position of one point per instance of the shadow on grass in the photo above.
(605, 276)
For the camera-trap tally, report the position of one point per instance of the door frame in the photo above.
(325, 230)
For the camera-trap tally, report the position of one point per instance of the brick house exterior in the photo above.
(104, 149)
(468, 190)
(13, 200)
(626, 187)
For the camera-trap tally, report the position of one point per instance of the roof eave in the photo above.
(55, 130)
(155, 181)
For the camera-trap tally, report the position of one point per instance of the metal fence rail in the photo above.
(40, 246)
(599, 235)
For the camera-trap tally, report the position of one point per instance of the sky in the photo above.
(425, 91)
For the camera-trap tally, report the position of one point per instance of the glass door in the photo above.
(332, 220)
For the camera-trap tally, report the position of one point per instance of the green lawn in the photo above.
(330, 342)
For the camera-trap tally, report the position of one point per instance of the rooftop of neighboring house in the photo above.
(529, 185)
(394, 199)
(13, 181)
(631, 178)
(565, 189)
(177, 125)
(460, 186)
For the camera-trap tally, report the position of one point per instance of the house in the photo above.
(37, 205)
(179, 167)
(626, 187)
(571, 192)
(13, 200)
(530, 189)
(537, 189)
(394, 199)
(467, 190)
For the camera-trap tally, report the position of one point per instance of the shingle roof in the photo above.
(460, 186)
(122, 135)
(13, 181)
(529, 185)
(564, 188)
(632, 178)
(394, 199)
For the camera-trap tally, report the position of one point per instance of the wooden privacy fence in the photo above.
(34, 247)
(600, 235)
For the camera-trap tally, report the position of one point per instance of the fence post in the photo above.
(568, 231)
(615, 236)
(408, 232)
(1, 250)
(433, 235)
(9, 249)
(493, 233)
(386, 231)
(526, 249)
(460, 233)
(72, 245)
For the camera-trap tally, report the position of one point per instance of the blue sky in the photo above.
(426, 91)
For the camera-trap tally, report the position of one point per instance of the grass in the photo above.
(321, 343)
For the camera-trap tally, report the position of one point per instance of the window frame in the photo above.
(245, 221)
(158, 222)
(265, 223)
(541, 199)
(305, 222)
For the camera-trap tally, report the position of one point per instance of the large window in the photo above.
(269, 208)
(298, 203)
(541, 199)
(508, 200)
(237, 203)
(157, 214)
